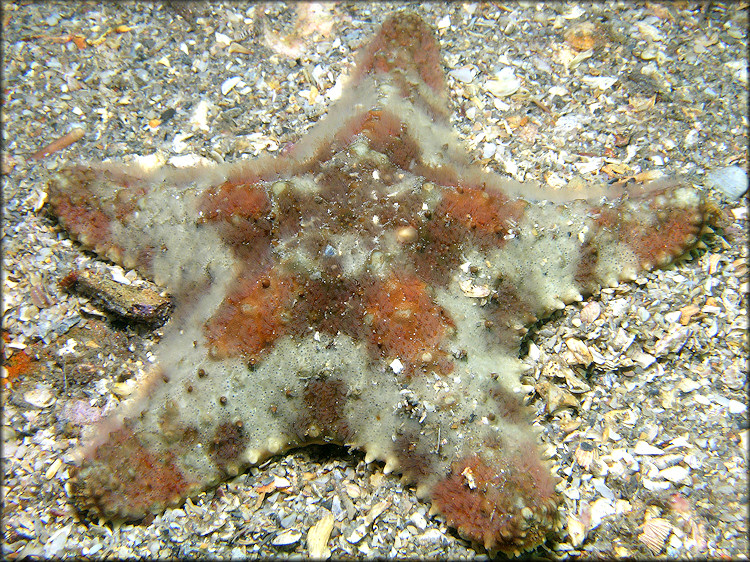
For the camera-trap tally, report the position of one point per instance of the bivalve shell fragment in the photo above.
(505, 84)
(676, 474)
(655, 533)
(287, 538)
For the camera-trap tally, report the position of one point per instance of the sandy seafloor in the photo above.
(601, 91)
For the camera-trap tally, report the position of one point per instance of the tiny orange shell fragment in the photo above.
(154, 123)
(615, 169)
(265, 488)
(18, 365)
(516, 121)
(622, 140)
(80, 41)
(648, 175)
(123, 28)
(688, 312)
(99, 40)
(583, 36)
(7, 163)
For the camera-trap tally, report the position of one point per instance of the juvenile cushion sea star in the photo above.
(369, 287)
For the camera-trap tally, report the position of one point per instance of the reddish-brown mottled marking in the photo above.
(407, 324)
(324, 418)
(509, 407)
(483, 501)
(227, 444)
(665, 241)
(486, 213)
(331, 305)
(133, 471)
(414, 463)
(145, 258)
(404, 44)
(252, 316)
(92, 223)
(505, 309)
(388, 135)
(343, 203)
(232, 200)
(480, 214)
(243, 214)
(436, 251)
(666, 234)
(130, 192)
(585, 275)
(87, 223)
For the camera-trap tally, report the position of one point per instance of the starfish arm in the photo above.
(143, 219)
(168, 223)
(648, 227)
(555, 254)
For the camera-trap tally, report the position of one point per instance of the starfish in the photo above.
(369, 287)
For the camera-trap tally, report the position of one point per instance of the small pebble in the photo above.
(731, 181)
(675, 474)
(488, 151)
(419, 520)
(737, 407)
(229, 84)
(39, 397)
(504, 84)
(287, 538)
(464, 74)
(600, 509)
(433, 536)
(57, 541)
(643, 448)
(444, 22)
